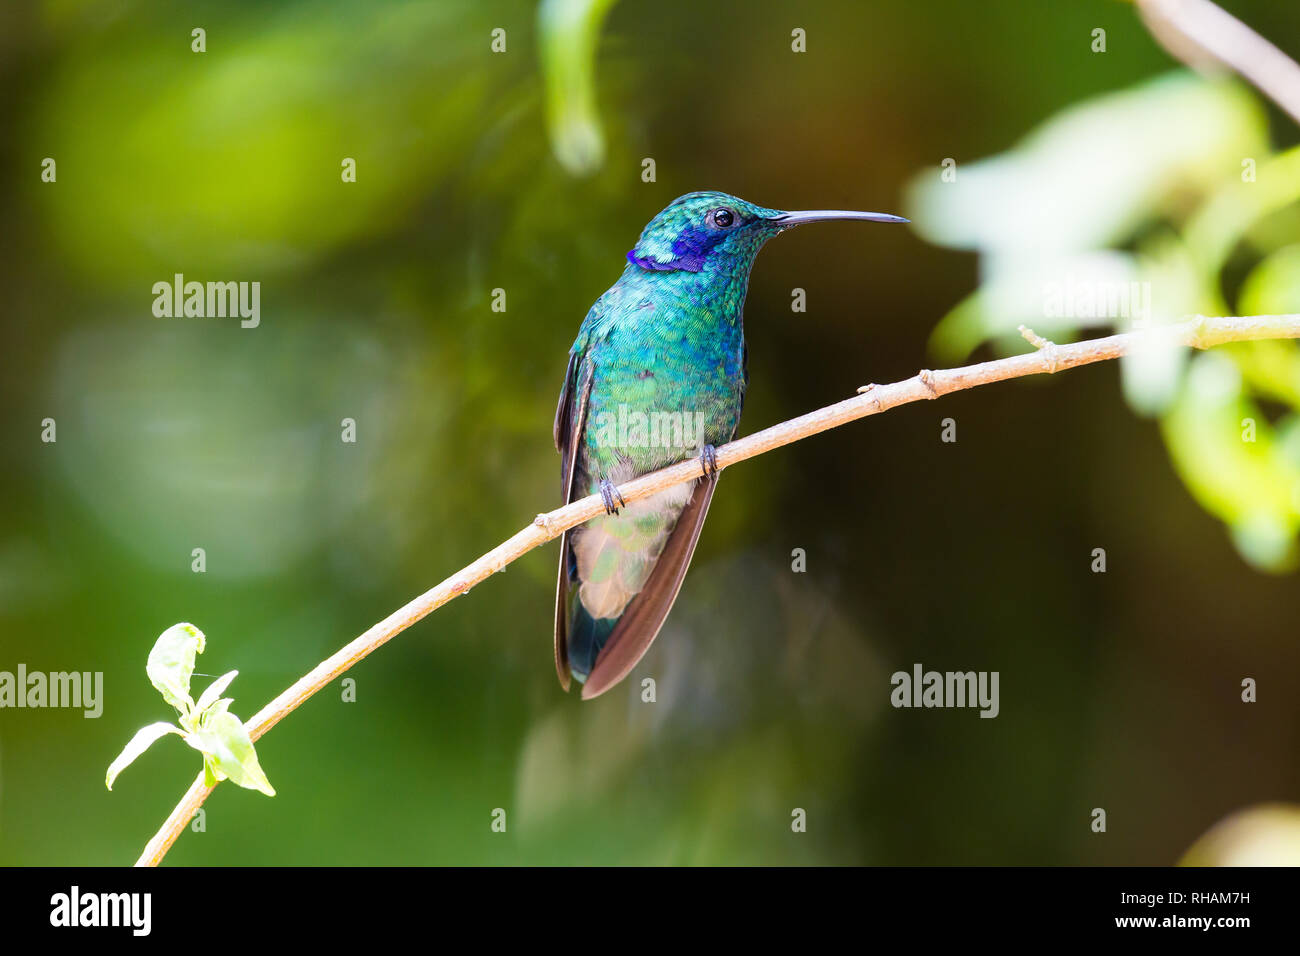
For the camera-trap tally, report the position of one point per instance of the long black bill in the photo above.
(823, 215)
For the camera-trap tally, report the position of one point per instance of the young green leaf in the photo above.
(214, 691)
(207, 726)
(223, 738)
(171, 663)
(138, 745)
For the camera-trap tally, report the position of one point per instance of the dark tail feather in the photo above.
(586, 638)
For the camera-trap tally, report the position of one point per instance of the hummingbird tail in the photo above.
(639, 624)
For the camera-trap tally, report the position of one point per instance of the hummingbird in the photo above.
(656, 375)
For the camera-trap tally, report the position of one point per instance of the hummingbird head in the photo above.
(712, 229)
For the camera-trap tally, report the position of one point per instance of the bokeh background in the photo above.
(521, 170)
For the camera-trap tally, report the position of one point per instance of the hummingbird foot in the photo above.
(608, 493)
(709, 461)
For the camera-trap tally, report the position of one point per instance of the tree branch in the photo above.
(1198, 333)
(1200, 34)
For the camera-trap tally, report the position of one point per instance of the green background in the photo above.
(1118, 690)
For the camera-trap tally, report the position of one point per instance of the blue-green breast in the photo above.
(668, 361)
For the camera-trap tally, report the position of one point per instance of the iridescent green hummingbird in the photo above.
(657, 375)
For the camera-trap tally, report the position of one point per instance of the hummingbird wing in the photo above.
(640, 623)
(570, 420)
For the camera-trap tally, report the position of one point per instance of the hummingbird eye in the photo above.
(722, 217)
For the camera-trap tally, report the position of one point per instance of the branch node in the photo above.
(543, 521)
(875, 402)
(927, 379)
(1046, 346)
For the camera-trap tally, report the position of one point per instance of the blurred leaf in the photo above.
(1171, 289)
(1271, 368)
(568, 33)
(1273, 286)
(1066, 188)
(1250, 485)
(1267, 835)
(1055, 296)
(1237, 205)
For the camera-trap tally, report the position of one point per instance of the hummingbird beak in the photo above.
(788, 219)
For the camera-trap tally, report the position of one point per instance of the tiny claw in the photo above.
(709, 461)
(608, 493)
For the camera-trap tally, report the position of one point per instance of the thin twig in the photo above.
(1200, 333)
(1200, 33)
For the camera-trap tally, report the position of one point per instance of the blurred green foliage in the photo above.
(1119, 689)
(1148, 196)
